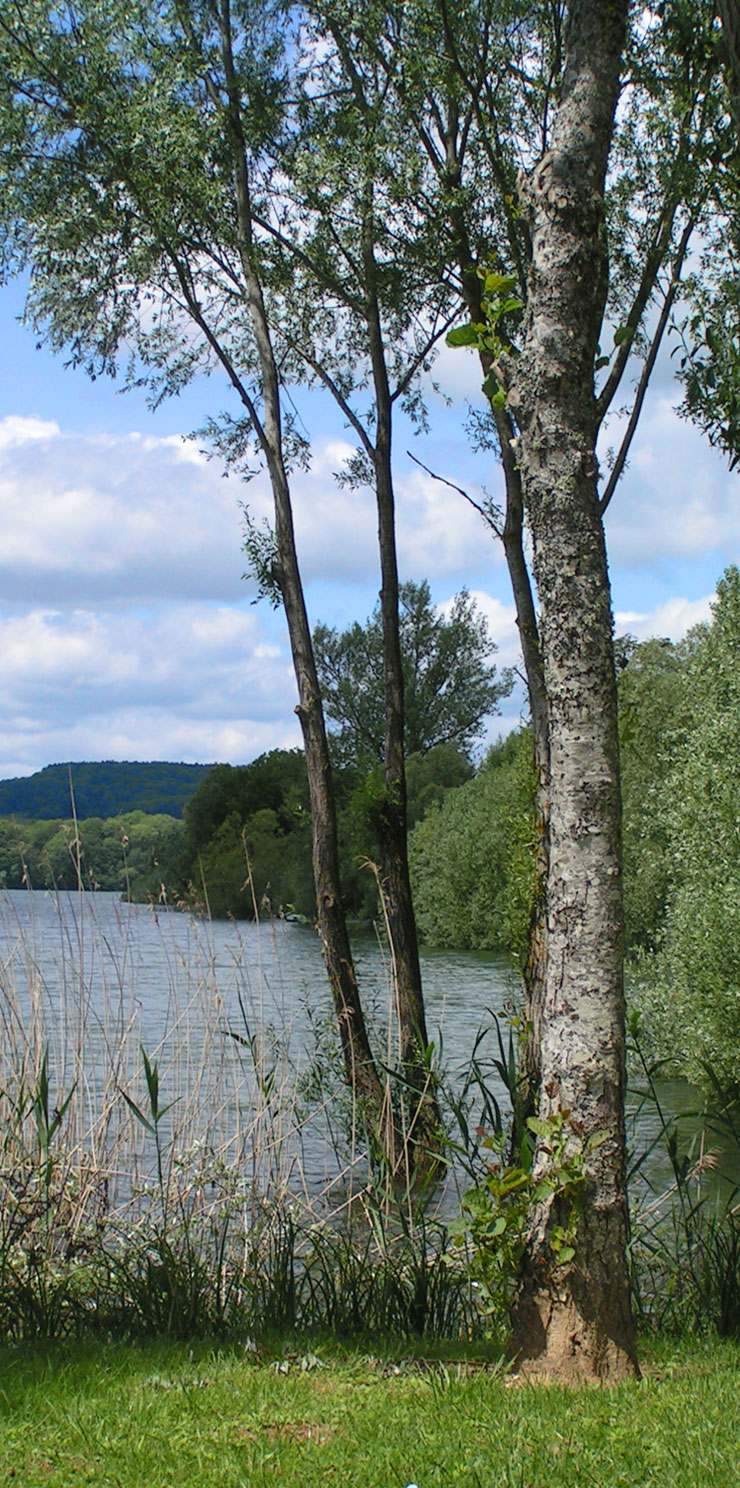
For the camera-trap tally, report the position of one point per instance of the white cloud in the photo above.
(677, 498)
(203, 681)
(105, 519)
(457, 374)
(17, 431)
(671, 619)
(126, 630)
(439, 532)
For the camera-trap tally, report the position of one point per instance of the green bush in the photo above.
(472, 858)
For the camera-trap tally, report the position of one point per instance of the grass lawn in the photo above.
(125, 1416)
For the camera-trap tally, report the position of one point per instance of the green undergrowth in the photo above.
(308, 1414)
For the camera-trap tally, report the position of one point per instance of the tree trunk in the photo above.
(424, 1126)
(371, 1094)
(572, 1315)
(424, 1121)
(361, 1073)
(535, 963)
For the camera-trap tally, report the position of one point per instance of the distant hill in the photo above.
(108, 788)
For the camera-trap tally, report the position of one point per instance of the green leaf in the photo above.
(139, 1114)
(493, 389)
(565, 1253)
(467, 335)
(498, 283)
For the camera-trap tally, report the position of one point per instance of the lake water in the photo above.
(237, 1017)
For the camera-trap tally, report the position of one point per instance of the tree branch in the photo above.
(648, 366)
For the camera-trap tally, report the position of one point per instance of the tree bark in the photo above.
(572, 1317)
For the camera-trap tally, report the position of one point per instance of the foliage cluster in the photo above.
(247, 844)
(687, 974)
(137, 854)
(495, 1217)
(248, 838)
(450, 683)
(472, 855)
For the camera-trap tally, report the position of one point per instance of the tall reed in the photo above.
(158, 1167)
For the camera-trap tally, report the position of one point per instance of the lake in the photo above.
(238, 1019)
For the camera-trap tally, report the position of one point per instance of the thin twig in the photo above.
(484, 511)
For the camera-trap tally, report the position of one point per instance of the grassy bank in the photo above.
(119, 1416)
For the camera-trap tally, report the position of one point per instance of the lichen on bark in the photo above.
(574, 1319)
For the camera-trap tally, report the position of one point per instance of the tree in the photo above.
(450, 684)
(248, 837)
(478, 91)
(664, 163)
(574, 1316)
(687, 980)
(482, 97)
(140, 145)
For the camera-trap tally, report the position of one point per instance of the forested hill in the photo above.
(106, 788)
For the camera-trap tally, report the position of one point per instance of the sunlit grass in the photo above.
(119, 1416)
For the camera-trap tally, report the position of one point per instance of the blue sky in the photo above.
(127, 630)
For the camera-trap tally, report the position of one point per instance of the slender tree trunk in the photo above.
(573, 1318)
(361, 1073)
(424, 1118)
(360, 1069)
(535, 964)
(424, 1127)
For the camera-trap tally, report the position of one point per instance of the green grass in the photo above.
(119, 1416)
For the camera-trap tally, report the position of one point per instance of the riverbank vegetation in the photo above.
(221, 1184)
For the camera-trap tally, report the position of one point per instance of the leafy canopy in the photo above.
(450, 683)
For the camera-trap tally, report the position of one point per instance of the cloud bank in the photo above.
(126, 625)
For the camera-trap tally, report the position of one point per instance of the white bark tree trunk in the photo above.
(574, 1318)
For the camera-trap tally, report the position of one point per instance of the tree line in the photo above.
(138, 854)
(101, 788)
